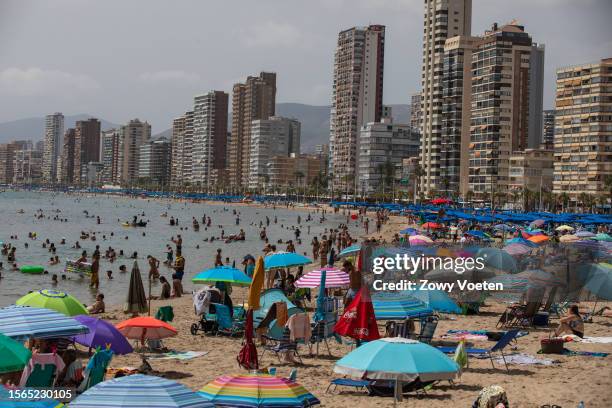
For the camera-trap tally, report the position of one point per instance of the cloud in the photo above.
(169, 76)
(38, 81)
(271, 34)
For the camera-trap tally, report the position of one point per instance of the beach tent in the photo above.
(268, 298)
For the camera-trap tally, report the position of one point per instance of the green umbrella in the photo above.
(61, 302)
(14, 355)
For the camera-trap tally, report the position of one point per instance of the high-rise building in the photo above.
(154, 162)
(456, 110)
(86, 147)
(296, 171)
(209, 137)
(182, 146)
(54, 132)
(68, 157)
(7, 161)
(255, 99)
(500, 105)
(442, 19)
(27, 166)
(536, 96)
(548, 128)
(583, 129)
(357, 97)
(110, 156)
(131, 137)
(276, 136)
(416, 115)
(382, 146)
(531, 169)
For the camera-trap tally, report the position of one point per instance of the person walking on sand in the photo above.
(153, 267)
(95, 268)
(315, 248)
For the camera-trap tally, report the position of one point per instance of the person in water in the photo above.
(153, 267)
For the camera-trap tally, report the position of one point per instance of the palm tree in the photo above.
(417, 173)
(446, 185)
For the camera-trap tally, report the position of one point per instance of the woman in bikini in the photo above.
(571, 324)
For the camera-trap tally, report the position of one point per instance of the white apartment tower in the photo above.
(131, 137)
(54, 132)
(442, 19)
(357, 97)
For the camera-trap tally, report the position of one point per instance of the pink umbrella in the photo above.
(334, 278)
(517, 249)
(420, 240)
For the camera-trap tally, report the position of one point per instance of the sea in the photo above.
(19, 208)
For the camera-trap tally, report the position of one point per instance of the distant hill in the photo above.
(34, 128)
(314, 120)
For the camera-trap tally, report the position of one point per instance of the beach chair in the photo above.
(41, 371)
(96, 369)
(498, 347)
(348, 382)
(428, 328)
(282, 346)
(519, 315)
(225, 323)
(320, 333)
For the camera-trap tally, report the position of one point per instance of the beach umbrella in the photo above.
(479, 234)
(503, 227)
(257, 391)
(584, 234)
(335, 278)
(102, 333)
(14, 355)
(136, 301)
(517, 249)
(285, 260)
(449, 275)
(145, 328)
(8, 401)
(432, 225)
(51, 299)
(349, 251)
(247, 358)
(540, 277)
(437, 300)
(398, 305)
(358, 320)
(602, 237)
(397, 359)
(538, 239)
(537, 223)
(498, 259)
(599, 280)
(514, 286)
(320, 312)
(440, 201)
(409, 231)
(568, 238)
(24, 322)
(139, 391)
(223, 274)
(522, 241)
(564, 228)
(420, 240)
(256, 284)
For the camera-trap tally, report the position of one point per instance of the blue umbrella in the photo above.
(522, 241)
(23, 322)
(479, 234)
(320, 313)
(285, 260)
(437, 300)
(140, 391)
(222, 274)
(398, 305)
(409, 231)
(348, 251)
(498, 259)
(399, 359)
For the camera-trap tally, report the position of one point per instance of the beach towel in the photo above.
(603, 340)
(568, 352)
(178, 355)
(299, 327)
(465, 336)
(524, 359)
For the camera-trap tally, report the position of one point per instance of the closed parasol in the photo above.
(358, 320)
(136, 301)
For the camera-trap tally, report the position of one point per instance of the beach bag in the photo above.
(552, 346)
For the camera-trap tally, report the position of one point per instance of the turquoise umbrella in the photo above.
(398, 306)
(599, 280)
(602, 237)
(498, 259)
(285, 260)
(349, 251)
(399, 359)
(437, 300)
(222, 274)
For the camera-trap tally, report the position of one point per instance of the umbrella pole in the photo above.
(149, 295)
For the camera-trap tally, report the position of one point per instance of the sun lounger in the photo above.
(498, 347)
(348, 382)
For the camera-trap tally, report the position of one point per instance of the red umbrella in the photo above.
(145, 328)
(431, 225)
(247, 357)
(439, 201)
(358, 320)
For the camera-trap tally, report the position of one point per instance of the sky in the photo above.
(120, 59)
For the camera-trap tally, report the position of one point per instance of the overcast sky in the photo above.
(147, 58)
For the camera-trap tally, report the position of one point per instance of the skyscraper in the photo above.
(442, 19)
(209, 137)
(416, 115)
(110, 156)
(255, 99)
(583, 129)
(131, 137)
(154, 162)
(500, 106)
(68, 157)
(357, 97)
(536, 96)
(86, 147)
(54, 132)
(548, 128)
(182, 144)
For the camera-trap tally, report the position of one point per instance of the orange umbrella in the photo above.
(538, 239)
(431, 225)
(145, 328)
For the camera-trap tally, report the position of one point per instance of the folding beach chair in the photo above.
(499, 346)
(225, 323)
(96, 369)
(282, 346)
(519, 316)
(41, 371)
(321, 331)
(348, 382)
(428, 328)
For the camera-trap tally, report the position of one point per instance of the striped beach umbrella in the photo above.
(517, 249)
(52, 299)
(24, 322)
(257, 391)
(140, 391)
(420, 240)
(398, 305)
(335, 278)
(540, 277)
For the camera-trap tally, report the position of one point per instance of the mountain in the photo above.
(34, 128)
(314, 121)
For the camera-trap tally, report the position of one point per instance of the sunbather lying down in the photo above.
(571, 324)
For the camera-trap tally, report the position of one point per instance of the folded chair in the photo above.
(225, 323)
(498, 347)
(96, 369)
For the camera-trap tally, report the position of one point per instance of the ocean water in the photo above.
(114, 210)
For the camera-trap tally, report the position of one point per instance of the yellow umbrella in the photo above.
(564, 228)
(256, 284)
